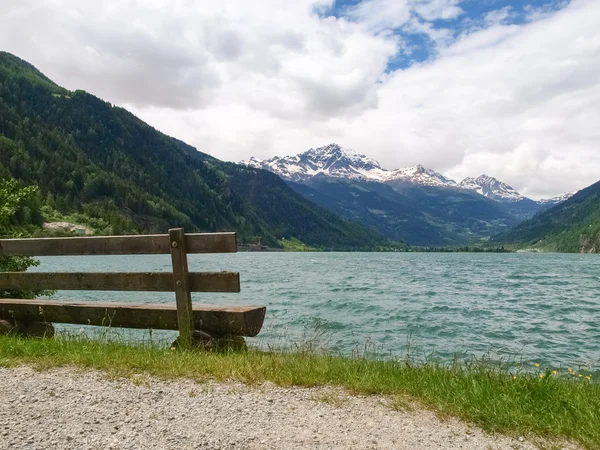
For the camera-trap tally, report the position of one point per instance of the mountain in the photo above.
(549, 202)
(337, 162)
(419, 216)
(570, 226)
(414, 204)
(419, 175)
(331, 161)
(491, 188)
(507, 198)
(103, 166)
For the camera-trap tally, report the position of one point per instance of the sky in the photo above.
(510, 88)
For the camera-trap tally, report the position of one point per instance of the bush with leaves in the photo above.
(12, 199)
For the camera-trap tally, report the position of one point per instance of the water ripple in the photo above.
(541, 307)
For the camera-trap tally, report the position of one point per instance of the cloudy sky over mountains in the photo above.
(506, 87)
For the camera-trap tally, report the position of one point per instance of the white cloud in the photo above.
(437, 9)
(380, 15)
(409, 16)
(238, 78)
(534, 13)
(498, 16)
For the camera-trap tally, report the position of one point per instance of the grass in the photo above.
(536, 404)
(295, 245)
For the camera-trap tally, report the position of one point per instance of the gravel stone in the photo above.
(76, 410)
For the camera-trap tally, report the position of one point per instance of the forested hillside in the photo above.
(120, 175)
(571, 226)
(418, 215)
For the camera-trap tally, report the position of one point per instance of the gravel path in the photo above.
(70, 409)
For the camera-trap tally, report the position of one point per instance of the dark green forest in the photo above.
(100, 164)
(570, 226)
(418, 215)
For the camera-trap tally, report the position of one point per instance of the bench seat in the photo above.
(214, 319)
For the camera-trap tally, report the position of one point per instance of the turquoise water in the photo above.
(534, 307)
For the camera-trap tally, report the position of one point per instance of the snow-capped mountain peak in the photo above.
(420, 175)
(557, 198)
(335, 156)
(331, 160)
(337, 162)
(491, 188)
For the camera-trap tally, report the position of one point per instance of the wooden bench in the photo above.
(192, 321)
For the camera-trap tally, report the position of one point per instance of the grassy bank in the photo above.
(295, 245)
(543, 403)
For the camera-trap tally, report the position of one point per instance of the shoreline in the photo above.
(547, 406)
(68, 408)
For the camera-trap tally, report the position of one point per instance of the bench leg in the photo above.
(27, 329)
(234, 343)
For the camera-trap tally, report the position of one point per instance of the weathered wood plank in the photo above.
(117, 245)
(181, 286)
(214, 281)
(214, 319)
(211, 242)
(118, 281)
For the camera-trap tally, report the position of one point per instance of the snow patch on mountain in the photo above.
(331, 160)
(335, 161)
(557, 198)
(491, 188)
(421, 176)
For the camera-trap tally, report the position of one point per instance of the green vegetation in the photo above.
(571, 226)
(19, 215)
(498, 398)
(295, 245)
(104, 168)
(464, 249)
(19, 210)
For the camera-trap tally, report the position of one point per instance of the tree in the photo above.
(12, 198)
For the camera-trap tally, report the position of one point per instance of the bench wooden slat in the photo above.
(118, 281)
(118, 245)
(220, 320)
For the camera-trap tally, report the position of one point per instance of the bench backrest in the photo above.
(176, 243)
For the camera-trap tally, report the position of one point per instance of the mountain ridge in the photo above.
(570, 226)
(417, 205)
(335, 161)
(491, 188)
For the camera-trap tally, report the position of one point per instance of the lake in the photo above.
(526, 306)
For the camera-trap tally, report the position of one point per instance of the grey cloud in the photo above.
(326, 100)
(146, 71)
(185, 57)
(229, 44)
(114, 59)
(289, 39)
